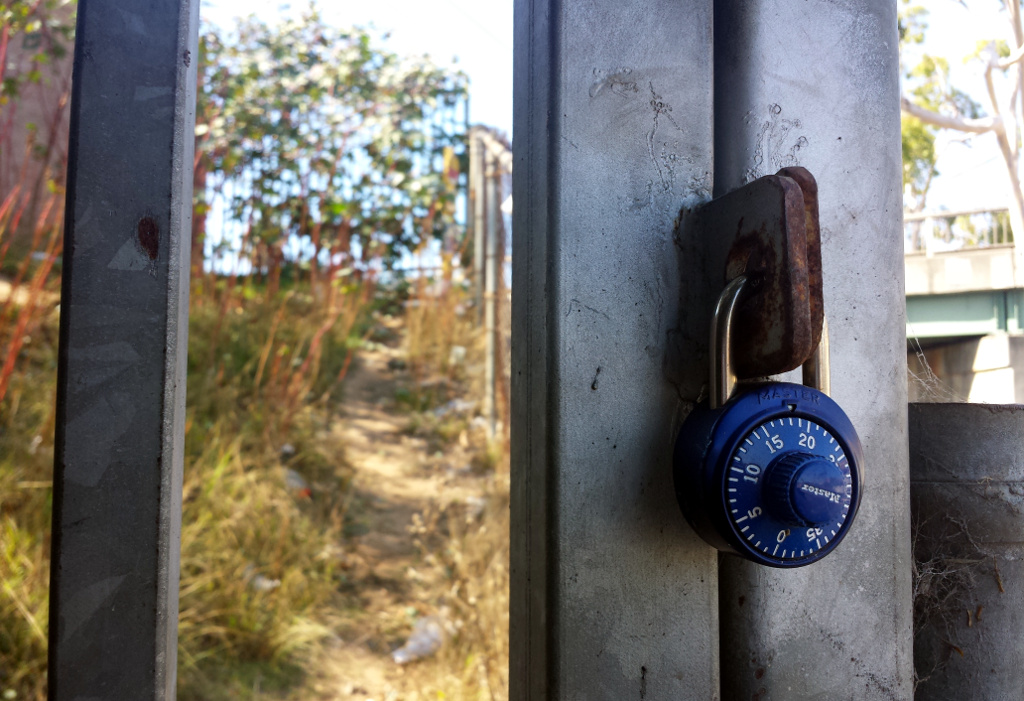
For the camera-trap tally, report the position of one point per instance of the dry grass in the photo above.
(260, 557)
(244, 526)
(474, 561)
(28, 366)
(468, 553)
(262, 593)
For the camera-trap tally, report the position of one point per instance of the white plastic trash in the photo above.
(425, 639)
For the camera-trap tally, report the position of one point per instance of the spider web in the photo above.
(930, 386)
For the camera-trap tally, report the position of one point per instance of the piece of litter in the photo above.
(261, 583)
(257, 581)
(455, 406)
(474, 507)
(457, 355)
(425, 639)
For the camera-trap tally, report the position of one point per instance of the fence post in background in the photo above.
(502, 306)
(828, 99)
(123, 344)
(612, 595)
(478, 196)
(469, 243)
(492, 188)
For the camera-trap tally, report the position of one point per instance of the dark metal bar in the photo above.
(121, 386)
(532, 617)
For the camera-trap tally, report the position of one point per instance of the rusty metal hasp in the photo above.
(768, 230)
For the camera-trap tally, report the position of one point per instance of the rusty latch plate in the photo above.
(768, 230)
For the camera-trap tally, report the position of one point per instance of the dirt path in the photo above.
(396, 479)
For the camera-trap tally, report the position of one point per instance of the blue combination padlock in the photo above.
(768, 471)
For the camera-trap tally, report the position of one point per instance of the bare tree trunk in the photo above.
(1017, 197)
(996, 124)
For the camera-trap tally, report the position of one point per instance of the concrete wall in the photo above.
(987, 370)
(988, 268)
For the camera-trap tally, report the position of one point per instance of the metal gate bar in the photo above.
(816, 84)
(121, 387)
(612, 596)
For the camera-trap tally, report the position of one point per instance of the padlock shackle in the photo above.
(723, 380)
(816, 370)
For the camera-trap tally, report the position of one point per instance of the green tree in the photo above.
(919, 158)
(933, 103)
(326, 150)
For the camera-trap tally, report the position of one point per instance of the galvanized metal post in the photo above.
(816, 84)
(613, 596)
(477, 189)
(121, 389)
(966, 487)
(492, 181)
(471, 195)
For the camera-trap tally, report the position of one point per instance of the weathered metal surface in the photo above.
(967, 502)
(828, 100)
(759, 230)
(613, 596)
(812, 236)
(121, 385)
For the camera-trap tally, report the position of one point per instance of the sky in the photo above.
(478, 34)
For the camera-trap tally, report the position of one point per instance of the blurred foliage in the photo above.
(930, 85)
(918, 155)
(26, 466)
(918, 138)
(320, 142)
(44, 30)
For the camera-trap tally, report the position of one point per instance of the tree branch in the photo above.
(989, 85)
(1018, 84)
(973, 126)
(1013, 58)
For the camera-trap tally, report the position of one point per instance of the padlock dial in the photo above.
(788, 488)
(773, 475)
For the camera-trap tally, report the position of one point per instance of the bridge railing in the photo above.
(956, 230)
(959, 251)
